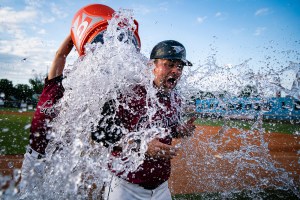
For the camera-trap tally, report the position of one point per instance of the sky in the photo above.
(232, 31)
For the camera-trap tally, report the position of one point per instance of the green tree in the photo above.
(200, 94)
(248, 91)
(209, 95)
(223, 94)
(37, 84)
(6, 88)
(23, 92)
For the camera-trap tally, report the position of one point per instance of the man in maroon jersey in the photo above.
(149, 181)
(33, 163)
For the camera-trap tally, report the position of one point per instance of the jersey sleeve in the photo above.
(45, 112)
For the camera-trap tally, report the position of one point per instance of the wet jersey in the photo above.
(45, 112)
(132, 115)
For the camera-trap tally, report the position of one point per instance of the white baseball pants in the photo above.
(120, 189)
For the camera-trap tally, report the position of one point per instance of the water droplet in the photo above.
(4, 130)
(10, 165)
(27, 126)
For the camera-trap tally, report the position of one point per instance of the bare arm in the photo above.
(59, 61)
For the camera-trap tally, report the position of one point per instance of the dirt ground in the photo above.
(204, 164)
(203, 167)
(27, 113)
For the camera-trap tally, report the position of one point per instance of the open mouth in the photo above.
(172, 80)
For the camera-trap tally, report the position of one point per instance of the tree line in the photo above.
(13, 95)
(245, 92)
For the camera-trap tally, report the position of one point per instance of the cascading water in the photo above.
(74, 162)
(77, 167)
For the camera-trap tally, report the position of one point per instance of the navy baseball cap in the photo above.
(171, 50)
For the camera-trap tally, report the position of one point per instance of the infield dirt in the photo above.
(185, 179)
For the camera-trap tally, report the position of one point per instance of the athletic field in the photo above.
(191, 169)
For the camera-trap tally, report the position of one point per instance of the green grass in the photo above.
(279, 127)
(14, 135)
(9, 109)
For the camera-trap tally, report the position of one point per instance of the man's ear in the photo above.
(151, 63)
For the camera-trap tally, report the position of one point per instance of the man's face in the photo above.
(167, 73)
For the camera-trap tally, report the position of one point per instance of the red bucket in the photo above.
(91, 21)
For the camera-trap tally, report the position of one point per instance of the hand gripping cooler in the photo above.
(89, 24)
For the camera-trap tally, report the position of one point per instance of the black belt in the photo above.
(149, 187)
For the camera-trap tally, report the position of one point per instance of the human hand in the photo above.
(157, 149)
(190, 124)
(188, 128)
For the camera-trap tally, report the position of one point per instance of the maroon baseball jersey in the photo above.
(45, 112)
(133, 115)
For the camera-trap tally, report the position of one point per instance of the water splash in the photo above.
(74, 162)
(78, 167)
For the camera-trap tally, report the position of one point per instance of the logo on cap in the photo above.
(178, 48)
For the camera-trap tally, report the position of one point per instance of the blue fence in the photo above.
(282, 108)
